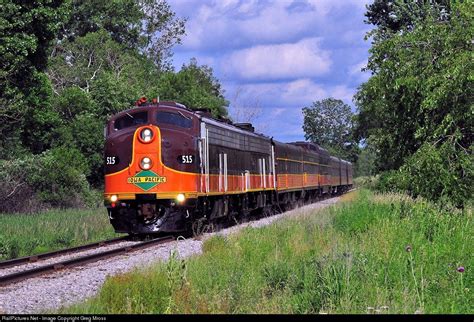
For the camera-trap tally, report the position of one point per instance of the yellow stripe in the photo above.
(299, 161)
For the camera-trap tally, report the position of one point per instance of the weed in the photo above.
(351, 258)
(23, 234)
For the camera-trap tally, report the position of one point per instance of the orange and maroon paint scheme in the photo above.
(167, 165)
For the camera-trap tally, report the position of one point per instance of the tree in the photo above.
(195, 86)
(95, 61)
(147, 25)
(27, 30)
(421, 89)
(391, 17)
(329, 123)
(420, 98)
(365, 165)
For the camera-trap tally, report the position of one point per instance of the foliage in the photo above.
(94, 60)
(365, 164)
(25, 235)
(366, 182)
(56, 177)
(27, 31)
(422, 88)
(65, 68)
(394, 16)
(148, 25)
(347, 259)
(328, 123)
(194, 86)
(421, 92)
(452, 183)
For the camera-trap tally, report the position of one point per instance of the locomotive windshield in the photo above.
(174, 119)
(131, 119)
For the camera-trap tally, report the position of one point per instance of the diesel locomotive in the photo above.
(168, 168)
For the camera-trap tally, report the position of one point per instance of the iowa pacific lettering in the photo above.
(146, 179)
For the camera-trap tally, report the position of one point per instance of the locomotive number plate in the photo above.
(112, 160)
(186, 159)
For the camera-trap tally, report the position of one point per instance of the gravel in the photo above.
(63, 288)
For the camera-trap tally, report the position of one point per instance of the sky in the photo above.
(275, 57)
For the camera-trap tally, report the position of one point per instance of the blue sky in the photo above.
(275, 57)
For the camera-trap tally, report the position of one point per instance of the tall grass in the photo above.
(22, 234)
(374, 254)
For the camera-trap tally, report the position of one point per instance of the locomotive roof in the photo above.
(200, 114)
(231, 127)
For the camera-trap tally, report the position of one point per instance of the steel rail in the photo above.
(43, 256)
(23, 275)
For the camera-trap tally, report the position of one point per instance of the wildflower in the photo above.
(408, 248)
(460, 269)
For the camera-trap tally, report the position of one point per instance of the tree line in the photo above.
(415, 114)
(65, 67)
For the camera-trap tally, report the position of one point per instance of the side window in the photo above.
(176, 119)
(131, 119)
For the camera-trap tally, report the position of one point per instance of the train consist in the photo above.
(168, 168)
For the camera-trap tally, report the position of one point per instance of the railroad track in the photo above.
(66, 251)
(69, 263)
(77, 261)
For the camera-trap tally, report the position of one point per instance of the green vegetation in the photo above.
(329, 123)
(417, 110)
(65, 68)
(23, 235)
(377, 253)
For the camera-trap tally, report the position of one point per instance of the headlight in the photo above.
(180, 197)
(146, 135)
(113, 198)
(145, 163)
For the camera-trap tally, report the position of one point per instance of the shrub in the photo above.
(16, 193)
(366, 182)
(56, 177)
(60, 177)
(444, 174)
(440, 174)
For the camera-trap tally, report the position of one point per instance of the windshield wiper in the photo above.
(186, 117)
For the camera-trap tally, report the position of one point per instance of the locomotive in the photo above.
(169, 168)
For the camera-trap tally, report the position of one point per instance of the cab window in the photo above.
(131, 119)
(176, 119)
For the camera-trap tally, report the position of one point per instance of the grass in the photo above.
(22, 235)
(370, 254)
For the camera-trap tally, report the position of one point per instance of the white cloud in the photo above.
(282, 102)
(301, 59)
(342, 92)
(356, 72)
(305, 91)
(357, 68)
(278, 111)
(235, 23)
(288, 95)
